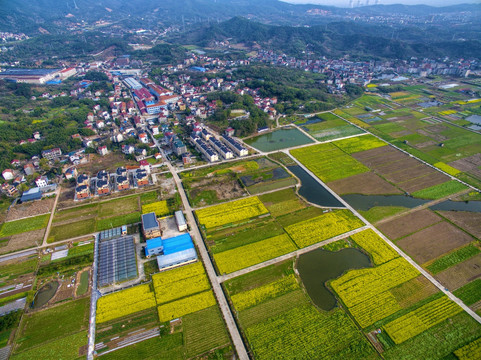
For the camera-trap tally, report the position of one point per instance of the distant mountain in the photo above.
(54, 15)
(336, 39)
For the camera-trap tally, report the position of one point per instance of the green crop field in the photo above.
(51, 324)
(24, 225)
(168, 347)
(359, 143)
(203, 331)
(74, 229)
(306, 333)
(118, 207)
(84, 283)
(453, 258)
(328, 162)
(116, 221)
(14, 270)
(378, 213)
(440, 191)
(65, 348)
(470, 293)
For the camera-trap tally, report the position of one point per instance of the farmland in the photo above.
(328, 225)
(24, 225)
(231, 212)
(374, 245)
(135, 299)
(55, 325)
(420, 131)
(327, 126)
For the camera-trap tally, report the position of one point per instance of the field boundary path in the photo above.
(52, 214)
(390, 243)
(219, 293)
(93, 303)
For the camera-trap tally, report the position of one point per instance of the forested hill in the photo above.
(336, 39)
(57, 15)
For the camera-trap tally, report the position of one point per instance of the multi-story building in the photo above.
(235, 146)
(52, 154)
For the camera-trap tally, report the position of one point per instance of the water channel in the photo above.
(312, 191)
(319, 266)
(279, 139)
(449, 205)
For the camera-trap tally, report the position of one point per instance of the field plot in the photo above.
(21, 226)
(282, 202)
(421, 319)
(359, 143)
(408, 174)
(124, 303)
(470, 351)
(323, 227)
(379, 250)
(470, 293)
(33, 208)
(434, 241)
(366, 291)
(441, 190)
(87, 219)
(469, 221)
(251, 254)
(409, 223)
(453, 258)
(461, 274)
(280, 323)
(366, 184)
(53, 324)
(328, 162)
(232, 212)
(21, 241)
(327, 126)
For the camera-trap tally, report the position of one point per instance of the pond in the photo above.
(279, 139)
(312, 191)
(45, 293)
(366, 202)
(449, 205)
(319, 266)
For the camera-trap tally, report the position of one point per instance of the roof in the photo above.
(32, 194)
(149, 221)
(179, 217)
(177, 258)
(178, 243)
(27, 72)
(154, 243)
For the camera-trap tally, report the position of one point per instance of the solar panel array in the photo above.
(110, 233)
(116, 260)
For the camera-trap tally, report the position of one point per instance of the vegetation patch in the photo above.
(379, 250)
(469, 293)
(160, 208)
(441, 190)
(20, 226)
(251, 254)
(231, 212)
(377, 213)
(447, 169)
(453, 258)
(421, 319)
(184, 306)
(323, 227)
(43, 326)
(359, 143)
(328, 162)
(124, 303)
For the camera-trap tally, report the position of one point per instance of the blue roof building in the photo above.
(178, 243)
(154, 246)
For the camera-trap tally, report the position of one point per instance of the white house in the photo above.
(41, 181)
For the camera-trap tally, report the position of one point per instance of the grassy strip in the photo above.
(20, 226)
(470, 293)
(453, 258)
(377, 213)
(441, 190)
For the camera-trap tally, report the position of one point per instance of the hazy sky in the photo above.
(345, 3)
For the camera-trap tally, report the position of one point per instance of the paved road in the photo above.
(47, 231)
(290, 255)
(219, 293)
(398, 250)
(93, 303)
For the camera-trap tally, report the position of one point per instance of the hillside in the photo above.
(336, 39)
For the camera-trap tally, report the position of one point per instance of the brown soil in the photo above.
(460, 274)
(226, 188)
(469, 221)
(23, 241)
(400, 169)
(108, 162)
(470, 164)
(408, 224)
(63, 292)
(366, 183)
(434, 241)
(33, 208)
